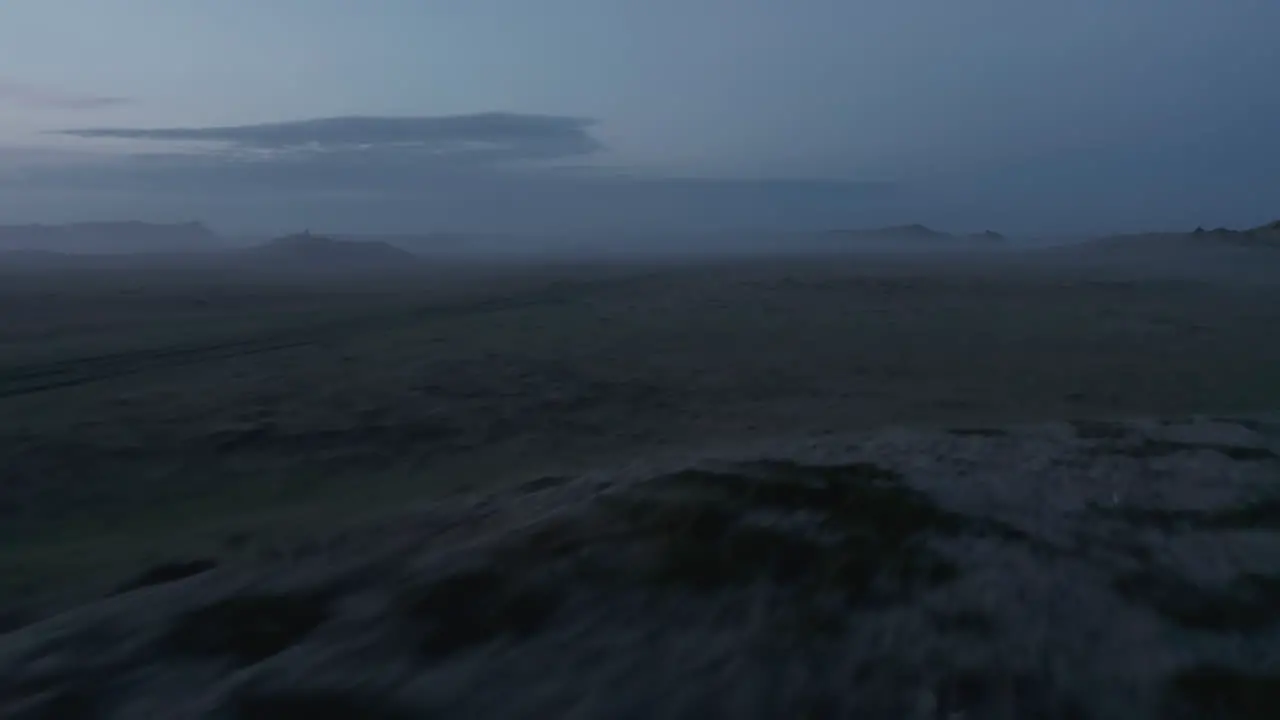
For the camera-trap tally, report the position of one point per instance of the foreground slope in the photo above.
(1061, 570)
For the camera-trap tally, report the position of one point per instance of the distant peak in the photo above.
(307, 246)
(303, 238)
(989, 235)
(913, 229)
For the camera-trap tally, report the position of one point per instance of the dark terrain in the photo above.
(1001, 485)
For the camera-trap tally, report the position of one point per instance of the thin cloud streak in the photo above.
(495, 135)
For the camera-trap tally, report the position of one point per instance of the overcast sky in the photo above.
(395, 115)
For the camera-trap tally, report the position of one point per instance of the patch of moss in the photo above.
(1243, 452)
(540, 484)
(1258, 514)
(1159, 518)
(248, 628)
(866, 537)
(13, 618)
(705, 559)
(1215, 691)
(74, 703)
(317, 705)
(974, 693)
(1250, 602)
(57, 695)
(1150, 448)
(854, 498)
(1262, 513)
(1100, 430)
(979, 432)
(167, 573)
(1250, 424)
(965, 622)
(476, 606)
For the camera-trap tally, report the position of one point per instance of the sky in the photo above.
(421, 115)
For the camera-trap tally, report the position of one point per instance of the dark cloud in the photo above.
(16, 93)
(512, 172)
(484, 137)
(457, 160)
(385, 189)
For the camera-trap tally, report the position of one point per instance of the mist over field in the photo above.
(639, 360)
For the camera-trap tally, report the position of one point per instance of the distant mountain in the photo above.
(988, 235)
(1198, 240)
(304, 250)
(1264, 235)
(110, 238)
(917, 236)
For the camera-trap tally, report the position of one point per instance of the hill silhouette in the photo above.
(1266, 236)
(317, 251)
(1269, 232)
(916, 236)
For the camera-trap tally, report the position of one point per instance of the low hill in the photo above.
(1264, 235)
(914, 237)
(307, 251)
(110, 238)
(1236, 256)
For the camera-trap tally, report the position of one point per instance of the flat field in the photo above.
(146, 412)
(1003, 487)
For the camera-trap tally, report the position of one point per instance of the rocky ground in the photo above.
(1054, 570)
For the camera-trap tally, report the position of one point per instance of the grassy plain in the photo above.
(145, 414)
